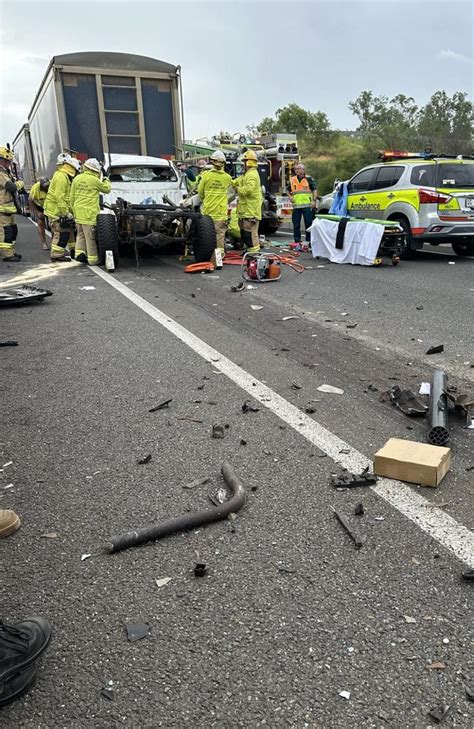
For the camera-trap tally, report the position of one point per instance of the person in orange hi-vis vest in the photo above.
(303, 193)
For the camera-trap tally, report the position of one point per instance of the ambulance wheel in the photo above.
(408, 253)
(107, 237)
(463, 248)
(203, 238)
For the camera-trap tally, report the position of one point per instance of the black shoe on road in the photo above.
(13, 259)
(81, 257)
(21, 645)
(61, 259)
(18, 684)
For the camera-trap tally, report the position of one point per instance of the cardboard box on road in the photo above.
(406, 460)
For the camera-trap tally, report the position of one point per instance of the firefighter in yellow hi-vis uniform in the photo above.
(249, 205)
(8, 208)
(84, 200)
(213, 190)
(57, 208)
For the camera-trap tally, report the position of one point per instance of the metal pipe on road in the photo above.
(188, 521)
(438, 433)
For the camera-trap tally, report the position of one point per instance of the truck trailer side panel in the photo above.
(82, 114)
(46, 139)
(24, 157)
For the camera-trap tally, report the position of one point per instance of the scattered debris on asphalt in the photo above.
(243, 442)
(407, 401)
(87, 288)
(345, 694)
(197, 482)
(189, 418)
(359, 509)
(238, 287)
(218, 431)
(191, 520)
(330, 389)
(247, 408)
(11, 463)
(200, 569)
(436, 666)
(255, 307)
(144, 460)
(468, 575)
(85, 556)
(310, 411)
(356, 538)
(218, 498)
(23, 295)
(295, 386)
(287, 318)
(9, 343)
(469, 693)
(424, 388)
(409, 619)
(51, 535)
(346, 479)
(435, 350)
(162, 581)
(439, 713)
(107, 694)
(463, 403)
(136, 631)
(161, 406)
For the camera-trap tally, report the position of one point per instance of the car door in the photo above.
(359, 203)
(382, 193)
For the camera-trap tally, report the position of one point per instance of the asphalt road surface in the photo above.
(290, 613)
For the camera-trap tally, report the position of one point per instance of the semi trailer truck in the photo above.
(126, 111)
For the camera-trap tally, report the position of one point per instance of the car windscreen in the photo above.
(454, 175)
(143, 174)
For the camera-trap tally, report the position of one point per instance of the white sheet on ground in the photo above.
(361, 241)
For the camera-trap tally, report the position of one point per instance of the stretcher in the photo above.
(392, 244)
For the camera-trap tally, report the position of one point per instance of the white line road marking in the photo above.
(447, 531)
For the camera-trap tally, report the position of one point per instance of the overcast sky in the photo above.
(242, 60)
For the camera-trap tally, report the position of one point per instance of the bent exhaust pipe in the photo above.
(438, 433)
(188, 521)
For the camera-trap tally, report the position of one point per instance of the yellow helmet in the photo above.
(5, 153)
(249, 155)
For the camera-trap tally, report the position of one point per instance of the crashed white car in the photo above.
(143, 209)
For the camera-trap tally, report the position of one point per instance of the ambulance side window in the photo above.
(387, 177)
(423, 175)
(362, 181)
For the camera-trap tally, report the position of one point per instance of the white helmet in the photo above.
(74, 163)
(92, 164)
(62, 158)
(218, 157)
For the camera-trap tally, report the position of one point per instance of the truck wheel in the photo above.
(203, 238)
(463, 248)
(107, 237)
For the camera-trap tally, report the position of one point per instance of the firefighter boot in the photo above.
(13, 259)
(20, 646)
(9, 522)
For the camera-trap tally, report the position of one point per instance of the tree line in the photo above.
(444, 124)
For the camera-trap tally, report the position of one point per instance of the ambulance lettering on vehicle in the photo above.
(364, 206)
